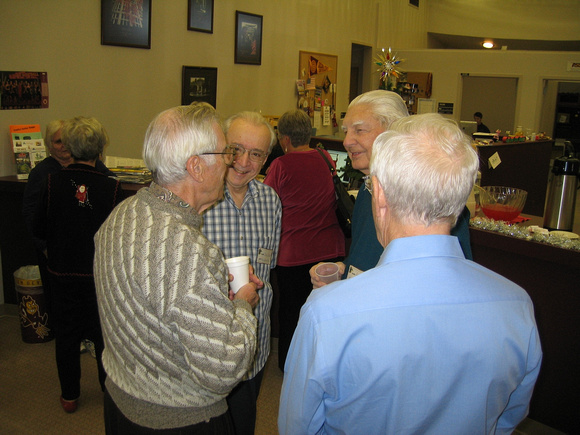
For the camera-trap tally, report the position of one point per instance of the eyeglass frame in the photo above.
(231, 153)
(368, 180)
(239, 146)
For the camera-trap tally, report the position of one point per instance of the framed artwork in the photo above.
(200, 15)
(126, 23)
(248, 38)
(198, 84)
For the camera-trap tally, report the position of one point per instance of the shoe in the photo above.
(69, 406)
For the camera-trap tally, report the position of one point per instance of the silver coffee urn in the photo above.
(560, 207)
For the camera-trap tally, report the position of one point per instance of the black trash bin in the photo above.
(34, 321)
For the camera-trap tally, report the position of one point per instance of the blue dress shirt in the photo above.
(427, 342)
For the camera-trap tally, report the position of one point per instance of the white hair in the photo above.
(426, 167)
(177, 134)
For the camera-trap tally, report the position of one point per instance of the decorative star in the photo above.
(388, 64)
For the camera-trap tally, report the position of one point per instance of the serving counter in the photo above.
(524, 165)
(551, 276)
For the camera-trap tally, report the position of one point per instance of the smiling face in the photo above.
(252, 138)
(361, 128)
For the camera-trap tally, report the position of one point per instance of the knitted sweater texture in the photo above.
(173, 340)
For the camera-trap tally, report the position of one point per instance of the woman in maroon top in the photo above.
(310, 231)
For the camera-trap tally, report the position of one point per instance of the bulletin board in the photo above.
(316, 88)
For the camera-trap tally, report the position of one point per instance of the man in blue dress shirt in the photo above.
(426, 342)
(247, 222)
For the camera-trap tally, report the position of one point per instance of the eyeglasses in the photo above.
(227, 155)
(368, 183)
(254, 155)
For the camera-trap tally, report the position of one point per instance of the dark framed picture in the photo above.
(248, 38)
(200, 15)
(126, 23)
(199, 84)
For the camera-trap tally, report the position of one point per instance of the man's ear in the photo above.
(195, 168)
(378, 194)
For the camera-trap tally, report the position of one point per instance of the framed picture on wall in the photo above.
(200, 15)
(248, 38)
(126, 23)
(198, 84)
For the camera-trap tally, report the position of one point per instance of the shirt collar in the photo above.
(168, 196)
(252, 192)
(406, 248)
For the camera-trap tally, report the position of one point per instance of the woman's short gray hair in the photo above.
(426, 167)
(297, 126)
(175, 135)
(85, 138)
(386, 106)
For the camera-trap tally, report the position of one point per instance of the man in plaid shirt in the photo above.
(247, 222)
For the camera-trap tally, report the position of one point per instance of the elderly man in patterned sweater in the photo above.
(176, 339)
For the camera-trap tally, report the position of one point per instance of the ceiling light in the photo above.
(487, 44)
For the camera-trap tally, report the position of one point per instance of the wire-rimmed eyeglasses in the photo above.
(368, 183)
(228, 154)
(254, 155)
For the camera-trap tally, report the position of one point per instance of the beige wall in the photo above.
(125, 87)
(557, 20)
(531, 68)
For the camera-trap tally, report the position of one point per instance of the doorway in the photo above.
(360, 75)
(494, 97)
(560, 117)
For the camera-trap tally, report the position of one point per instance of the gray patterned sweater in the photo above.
(175, 345)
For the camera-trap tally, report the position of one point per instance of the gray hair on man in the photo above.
(175, 135)
(386, 106)
(426, 167)
(256, 119)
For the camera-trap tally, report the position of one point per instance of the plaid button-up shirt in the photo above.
(252, 230)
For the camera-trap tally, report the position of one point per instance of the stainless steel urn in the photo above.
(560, 207)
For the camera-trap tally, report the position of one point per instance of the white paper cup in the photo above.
(327, 272)
(239, 267)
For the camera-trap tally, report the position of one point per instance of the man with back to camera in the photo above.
(481, 127)
(426, 342)
(177, 340)
(247, 222)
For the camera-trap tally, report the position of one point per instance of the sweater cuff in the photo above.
(242, 303)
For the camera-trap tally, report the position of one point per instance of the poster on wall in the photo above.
(316, 86)
(126, 23)
(23, 90)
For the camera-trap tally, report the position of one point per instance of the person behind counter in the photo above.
(481, 127)
(59, 157)
(247, 222)
(367, 116)
(75, 202)
(177, 340)
(427, 341)
(310, 230)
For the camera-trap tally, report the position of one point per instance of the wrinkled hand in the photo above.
(316, 283)
(248, 292)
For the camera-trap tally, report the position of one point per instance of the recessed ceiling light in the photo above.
(487, 44)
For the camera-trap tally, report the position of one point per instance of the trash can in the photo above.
(34, 322)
